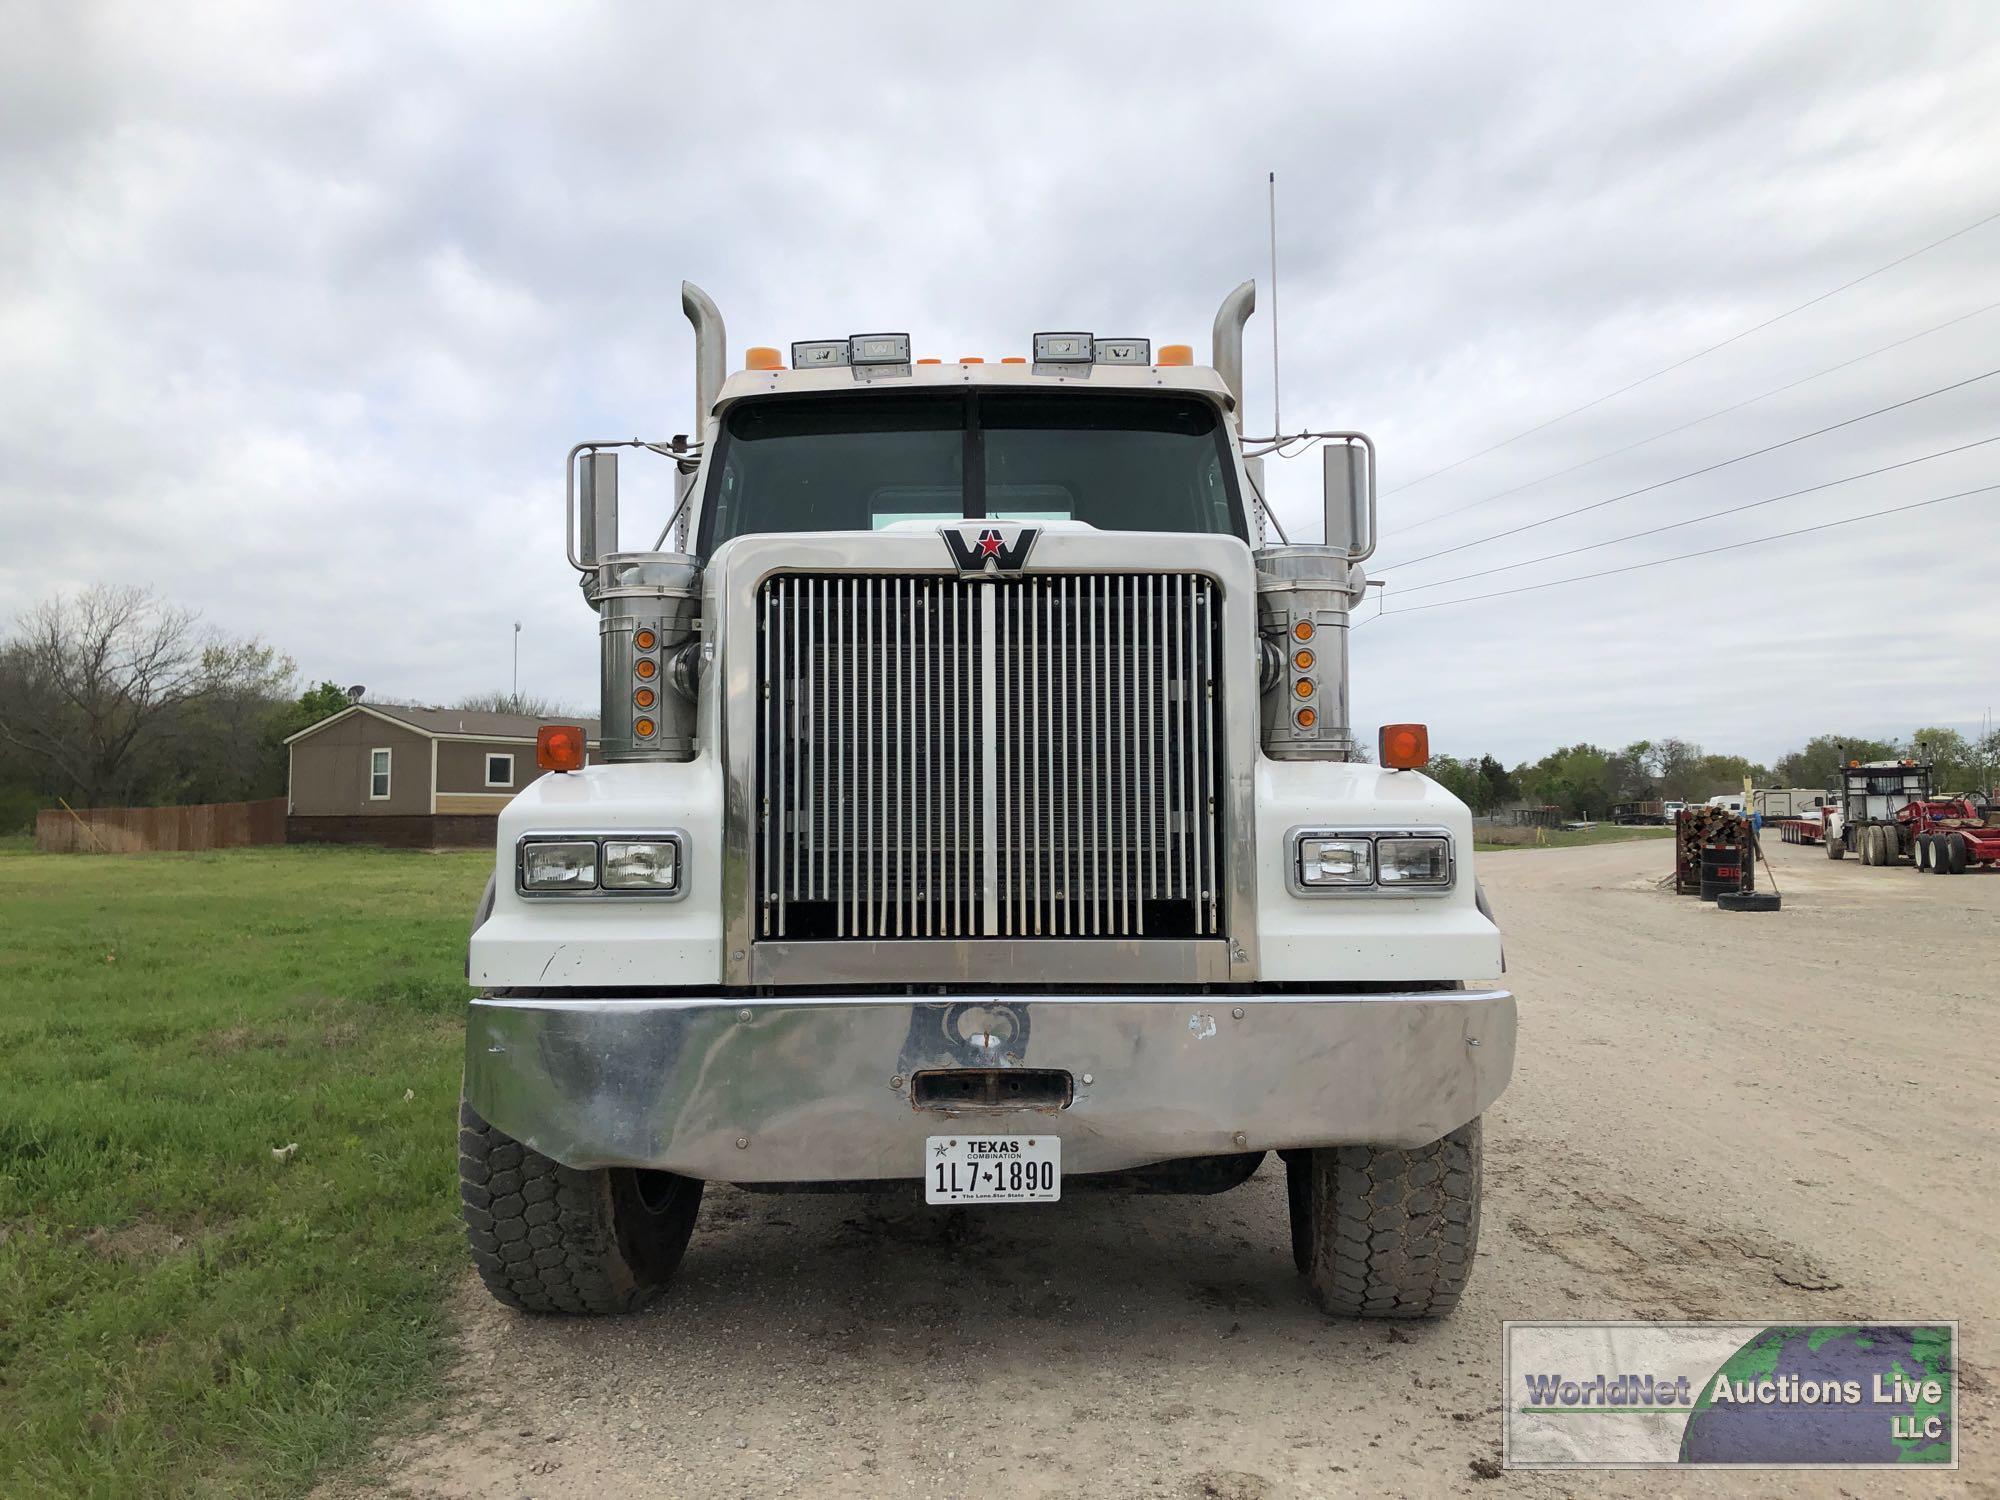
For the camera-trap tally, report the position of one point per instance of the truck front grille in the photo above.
(952, 758)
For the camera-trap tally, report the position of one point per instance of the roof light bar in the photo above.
(819, 353)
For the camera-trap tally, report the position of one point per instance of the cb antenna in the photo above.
(1277, 426)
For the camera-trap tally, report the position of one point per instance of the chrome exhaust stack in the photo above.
(1226, 346)
(711, 352)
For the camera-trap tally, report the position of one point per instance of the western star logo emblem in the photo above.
(990, 551)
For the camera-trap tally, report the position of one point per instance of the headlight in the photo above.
(625, 865)
(1370, 862)
(632, 865)
(1413, 861)
(1331, 862)
(549, 865)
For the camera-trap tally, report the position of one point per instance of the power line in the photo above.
(1445, 515)
(1699, 354)
(1894, 510)
(1694, 473)
(1714, 515)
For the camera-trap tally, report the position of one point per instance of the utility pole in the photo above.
(517, 664)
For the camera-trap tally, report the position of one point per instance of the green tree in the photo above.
(1954, 758)
(1575, 778)
(1496, 785)
(1459, 777)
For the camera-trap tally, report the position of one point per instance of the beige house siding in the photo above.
(330, 769)
(462, 766)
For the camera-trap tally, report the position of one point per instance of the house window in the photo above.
(499, 770)
(378, 775)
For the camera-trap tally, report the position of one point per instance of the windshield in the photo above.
(1119, 461)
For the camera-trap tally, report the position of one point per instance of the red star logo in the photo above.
(989, 544)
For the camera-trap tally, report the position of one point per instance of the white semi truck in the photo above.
(976, 807)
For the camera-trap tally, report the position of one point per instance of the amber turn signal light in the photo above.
(1405, 747)
(1303, 687)
(1305, 718)
(559, 747)
(1303, 659)
(643, 728)
(1303, 631)
(645, 666)
(645, 640)
(644, 697)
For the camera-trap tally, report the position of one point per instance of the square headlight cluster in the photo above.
(1333, 862)
(612, 865)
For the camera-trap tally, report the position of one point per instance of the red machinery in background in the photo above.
(1949, 835)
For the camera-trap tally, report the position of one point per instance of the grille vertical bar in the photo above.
(951, 757)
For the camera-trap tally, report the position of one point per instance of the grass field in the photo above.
(187, 1306)
(1497, 839)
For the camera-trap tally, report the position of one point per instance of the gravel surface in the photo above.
(1713, 1116)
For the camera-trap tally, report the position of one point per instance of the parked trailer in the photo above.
(1776, 802)
(1803, 830)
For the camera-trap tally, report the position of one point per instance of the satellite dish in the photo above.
(354, 693)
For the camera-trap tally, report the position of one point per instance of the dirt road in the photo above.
(1713, 1116)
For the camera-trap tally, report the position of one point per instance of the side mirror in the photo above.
(1350, 494)
(597, 507)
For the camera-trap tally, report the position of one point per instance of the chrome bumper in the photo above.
(818, 1090)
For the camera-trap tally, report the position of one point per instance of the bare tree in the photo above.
(514, 703)
(91, 683)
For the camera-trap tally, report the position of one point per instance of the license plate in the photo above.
(993, 1169)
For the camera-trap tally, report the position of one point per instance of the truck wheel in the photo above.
(1869, 844)
(1957, 854)
(1381, 1232)
(1923, 853)
(548, 1238)
(1893, 847)
(1836, 845)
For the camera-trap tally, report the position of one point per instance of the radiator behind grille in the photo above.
(942, 757)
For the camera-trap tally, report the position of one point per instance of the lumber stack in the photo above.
(1695, 827)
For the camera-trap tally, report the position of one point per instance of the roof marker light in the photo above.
(1062, 348)
(1176, 354)
(972, 359)
(1013, 359)
(762, 357)
(1405, 747)
(879, 349)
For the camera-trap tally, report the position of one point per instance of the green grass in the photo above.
(181, 1312)
(1563, 838)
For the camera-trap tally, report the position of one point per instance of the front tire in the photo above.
(1382, 1232)
(553, 1239)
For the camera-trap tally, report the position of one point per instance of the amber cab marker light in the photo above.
(1405, 747)
(762, 357)
(1176, 354)
(559, 747)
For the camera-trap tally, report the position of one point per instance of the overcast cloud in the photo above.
(301, 306)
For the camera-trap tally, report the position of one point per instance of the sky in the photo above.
(301, 306)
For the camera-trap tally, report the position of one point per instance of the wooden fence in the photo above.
(136, 830)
